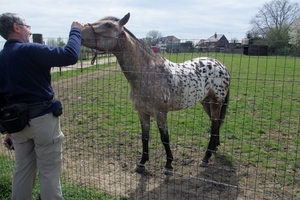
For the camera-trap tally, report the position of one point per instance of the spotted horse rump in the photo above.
(158, 85)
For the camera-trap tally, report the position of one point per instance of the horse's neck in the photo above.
(132, 57)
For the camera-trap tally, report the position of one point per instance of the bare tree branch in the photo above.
(276, 16)
(153, 37)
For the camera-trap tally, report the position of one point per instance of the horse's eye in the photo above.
(108, 25)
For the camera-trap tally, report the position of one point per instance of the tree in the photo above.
(295, 33)
(153, 37)
(51, 42)
(58, 42)
(274, 20)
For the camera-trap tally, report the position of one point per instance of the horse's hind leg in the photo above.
(145, 124)
(213, 111)
(206, 107)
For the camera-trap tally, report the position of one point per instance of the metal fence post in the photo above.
(38, 38)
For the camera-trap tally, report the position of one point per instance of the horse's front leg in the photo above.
(145, 124)
(164, 135)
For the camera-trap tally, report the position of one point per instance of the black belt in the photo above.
(37, 108)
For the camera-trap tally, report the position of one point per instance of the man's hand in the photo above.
(77, 24)
(8, 142)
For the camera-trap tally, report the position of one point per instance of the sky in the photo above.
(185, 19)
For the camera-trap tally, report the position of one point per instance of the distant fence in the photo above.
(255, 50)
(259, 155)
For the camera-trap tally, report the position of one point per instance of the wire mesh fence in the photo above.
(258, 157)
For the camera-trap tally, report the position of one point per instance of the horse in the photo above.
(158, 85)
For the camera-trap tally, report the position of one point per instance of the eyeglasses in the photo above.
(27, 26)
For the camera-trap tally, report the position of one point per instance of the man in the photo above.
(25, 78)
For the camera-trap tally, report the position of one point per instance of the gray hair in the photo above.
(6, 23)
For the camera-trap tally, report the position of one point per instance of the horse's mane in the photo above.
(127, 31)
(110, 18)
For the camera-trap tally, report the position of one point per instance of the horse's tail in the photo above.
(224, 108)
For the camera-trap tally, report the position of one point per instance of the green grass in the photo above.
(5, 177)
(263, 113)
(261, 129)
(70, 191)
(264, 103)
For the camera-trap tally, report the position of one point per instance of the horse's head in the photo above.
(105, 34)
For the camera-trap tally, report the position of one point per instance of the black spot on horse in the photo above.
(201, 64)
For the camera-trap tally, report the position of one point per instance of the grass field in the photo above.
(260, 137)
(261, 133)
(262, 127)
(69, 191)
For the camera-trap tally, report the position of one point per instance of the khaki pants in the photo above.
(38, 147)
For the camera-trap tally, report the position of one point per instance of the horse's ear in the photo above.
(124, 20)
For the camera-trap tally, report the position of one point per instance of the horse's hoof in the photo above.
(203, 164)
(139, 169)
(168, 172)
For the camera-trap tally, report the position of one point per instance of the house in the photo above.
(170, 39)
(201, 42)
(216, 42)
(170, 43)
(245, 41)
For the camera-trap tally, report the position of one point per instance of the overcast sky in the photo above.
(185, 19)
